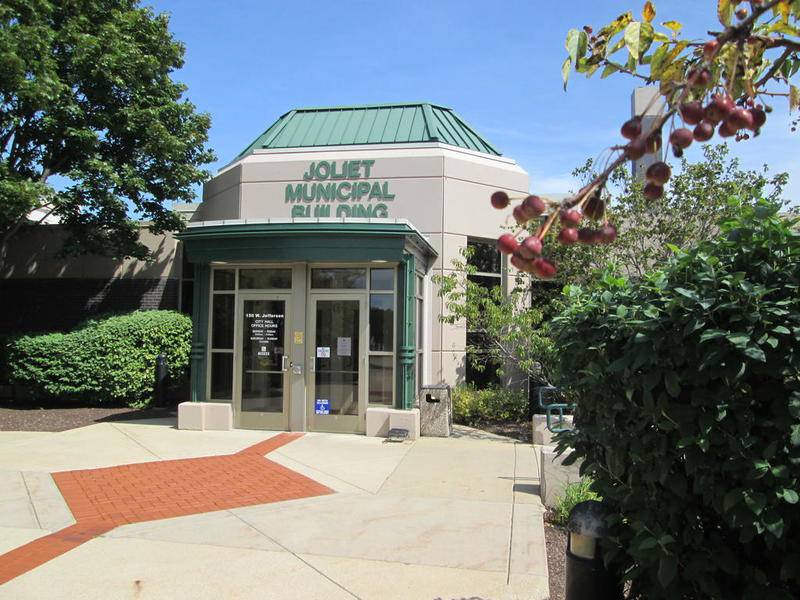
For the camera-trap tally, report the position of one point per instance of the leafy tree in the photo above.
(92, 124)
(505, 329)
(697, 200)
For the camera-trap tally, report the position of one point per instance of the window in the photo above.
(488, 263)
(226, 282)
(333, 279)
(381, 356)
(223, 314)
(419, 291)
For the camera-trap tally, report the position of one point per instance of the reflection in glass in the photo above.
(381, 279)
(381, 322)
(224, 279)
(263, 339)
(221, 375)
(262, 392)
(336, 376)
(381, 380)
(485, 256)
(264, 327)
(264, 279)
(335, 279)
(222, 313)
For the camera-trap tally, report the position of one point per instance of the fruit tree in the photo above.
(722, 85)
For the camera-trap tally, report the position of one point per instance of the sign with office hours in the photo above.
(263, 337)
(343, 346)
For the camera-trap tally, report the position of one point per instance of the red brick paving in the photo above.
(102, 499)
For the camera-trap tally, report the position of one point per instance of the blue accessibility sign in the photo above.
(322, 406)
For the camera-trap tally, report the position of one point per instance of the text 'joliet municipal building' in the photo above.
(308, 265)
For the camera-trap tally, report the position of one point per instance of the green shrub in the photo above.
(688, 418)
(574, 493)
(106, 360)
(472, 406)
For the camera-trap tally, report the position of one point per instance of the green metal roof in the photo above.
(370, 124)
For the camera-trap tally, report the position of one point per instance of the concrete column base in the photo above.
(380, 420)
(205, 416)
(543, 436)
(555, 476)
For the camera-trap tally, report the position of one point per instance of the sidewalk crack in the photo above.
(301, 559)
(135, 441)
(30, 499)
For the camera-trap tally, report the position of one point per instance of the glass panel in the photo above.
(221, 375)
(264, 323)
(187, 297)
(262, 392)
(485, 256)
(381, 322)
(335, 279)
(486, 281)
(263, 336)
(224, 279)
(381, 380)
(222, 313)
(381, 279)
(264, 279)
(337, 352)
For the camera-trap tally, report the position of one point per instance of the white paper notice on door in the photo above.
(343, 346)
(323, 352)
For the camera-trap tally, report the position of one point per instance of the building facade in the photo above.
(309, 263)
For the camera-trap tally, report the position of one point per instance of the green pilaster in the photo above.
(408, 338)
(202, 275)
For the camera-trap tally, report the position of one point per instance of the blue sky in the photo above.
(496, 63)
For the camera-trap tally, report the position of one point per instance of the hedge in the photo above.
(108, 360)
(688, 418)
(472, 406)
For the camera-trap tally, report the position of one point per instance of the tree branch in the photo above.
(775, 67)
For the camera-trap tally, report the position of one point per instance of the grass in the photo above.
(574, 493)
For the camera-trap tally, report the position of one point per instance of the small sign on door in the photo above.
(322, 406)
(343, 346)
(323, 352)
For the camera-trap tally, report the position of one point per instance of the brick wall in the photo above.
(35, 305)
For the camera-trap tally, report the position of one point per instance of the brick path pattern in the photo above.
(102, 499)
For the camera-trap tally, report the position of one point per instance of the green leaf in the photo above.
(576, 44)
(638, 38)
(672, 384)
(667, 569)
(674, 26)
(609, 69)
(773, 522)
(731, 499)
(725, 10)
(755, 353)
(565, 69)
(790, 496)
(794, 98)
(712, 334)
(781, 329)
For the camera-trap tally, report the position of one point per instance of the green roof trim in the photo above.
(370, 124)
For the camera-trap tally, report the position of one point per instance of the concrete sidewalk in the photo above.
(435, 518)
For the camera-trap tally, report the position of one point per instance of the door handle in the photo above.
(313, 364)
(285, 363)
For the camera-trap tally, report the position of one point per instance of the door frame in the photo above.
(252, 419)
(336, 423)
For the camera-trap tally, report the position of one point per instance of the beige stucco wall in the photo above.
(442, 190)
(34, 253)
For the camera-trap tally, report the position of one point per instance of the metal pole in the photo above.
(587, 577)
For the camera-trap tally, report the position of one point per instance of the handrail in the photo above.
(555, 406)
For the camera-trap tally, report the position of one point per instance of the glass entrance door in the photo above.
(336, 379)
(262, 382)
